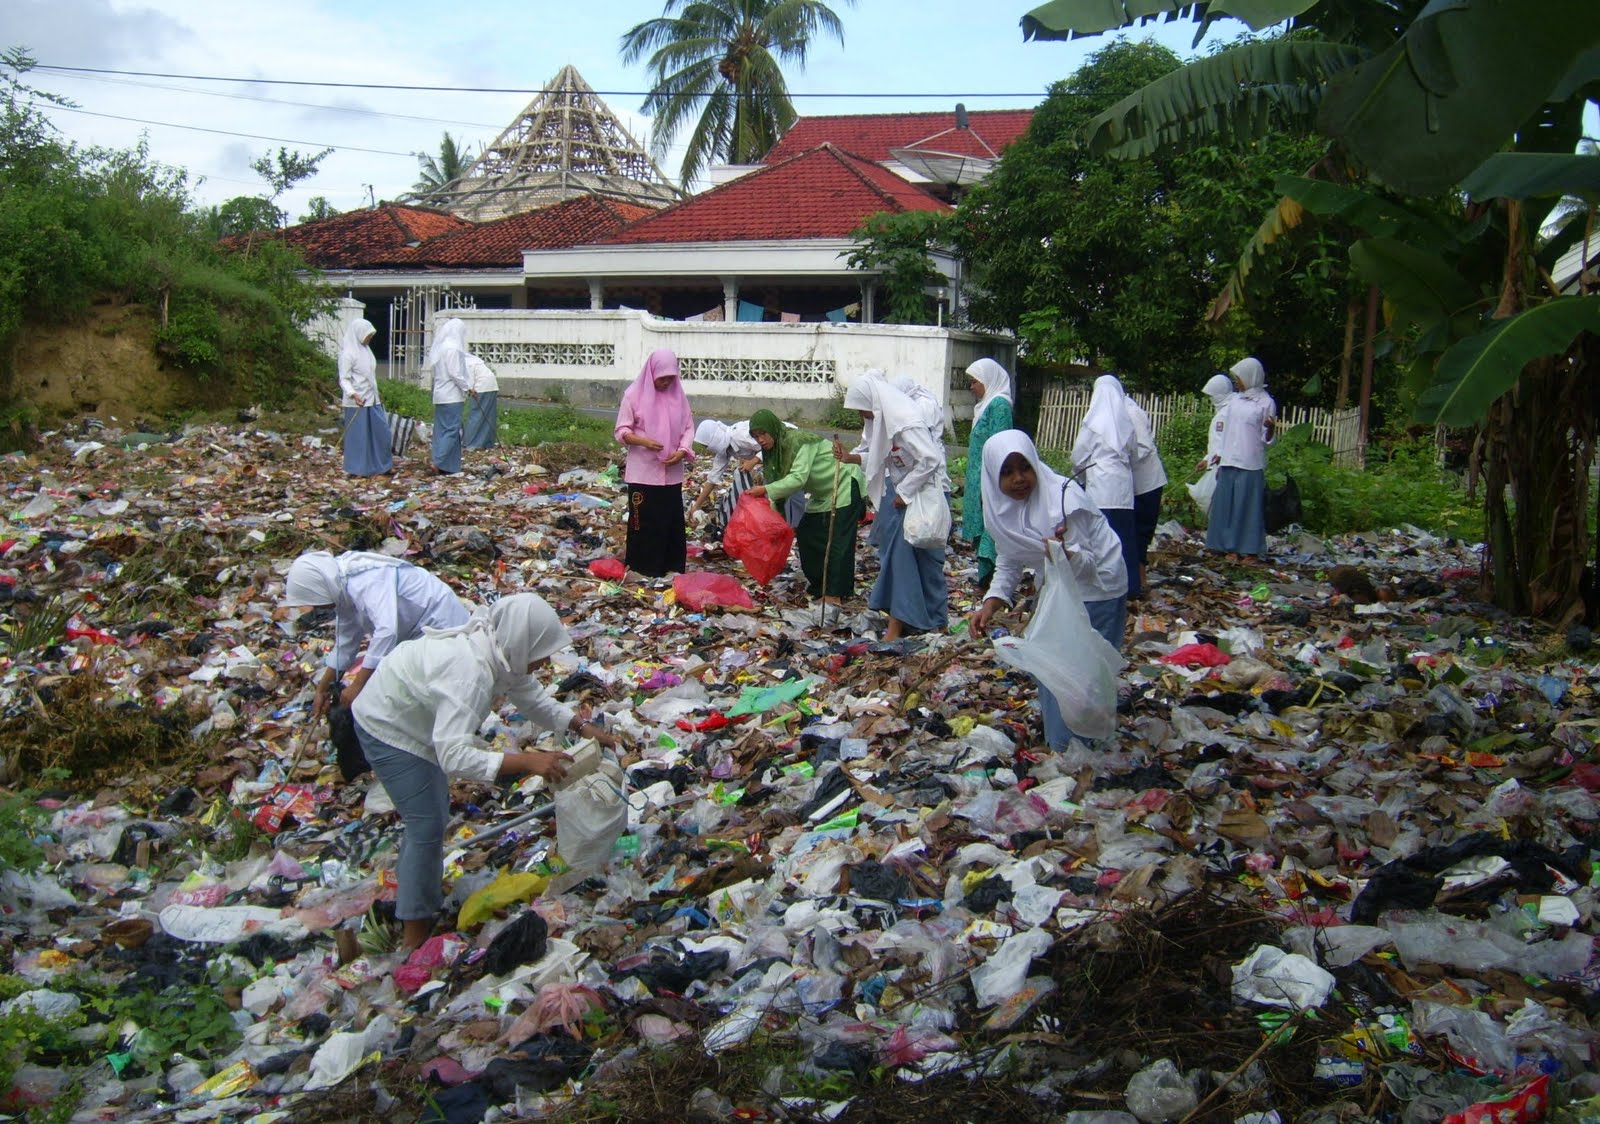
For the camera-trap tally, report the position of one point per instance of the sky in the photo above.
(969, 51)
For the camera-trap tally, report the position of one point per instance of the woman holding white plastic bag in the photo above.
(418, 722)
(447, 358)
(903, 465)
(1218, 388)
(1025, 505)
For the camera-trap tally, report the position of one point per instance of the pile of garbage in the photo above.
(1337, 863)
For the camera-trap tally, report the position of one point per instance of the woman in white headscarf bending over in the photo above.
(1025, 503)
(991, 385)
(483, 423)
(366, 426)
(447, 358)
(1238, 521)
(901, 460)
(1102, 458)
(377, 600)
(418, 723)
(734, 456)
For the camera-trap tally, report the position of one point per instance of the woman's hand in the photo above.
(899, 501)
(983, 614)
(750, 464)
(642, 442)
(758, 490)
(845, 455)
(551, 766)
(673, 457)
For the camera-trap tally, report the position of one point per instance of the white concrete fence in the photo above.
(1063, 405)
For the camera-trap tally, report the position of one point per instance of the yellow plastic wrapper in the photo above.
(962, 725)
(228, 1082)
(506, 890)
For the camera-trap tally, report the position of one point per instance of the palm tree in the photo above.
(725, 54)
(435, 172)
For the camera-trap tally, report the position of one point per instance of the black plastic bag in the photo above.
(1283, 506)
(342, 732)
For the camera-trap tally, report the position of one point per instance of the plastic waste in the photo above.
(590, 814)
(1203, 489)
(1061, 649)
(1160, 1092)
(343, 1052)
(1006, 968)
(1275, 978)
(927, 520)
(759, 537)
(508, 889)
(696, 590)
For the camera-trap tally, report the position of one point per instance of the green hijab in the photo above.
(786, 442)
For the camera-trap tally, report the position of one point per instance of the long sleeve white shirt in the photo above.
(1148, 471)
(388, 604)
(451, 379)
(916, 462)
(741, 446)
(431, 695)
(1107, 472)
(1096, 559)
(358, 379)
(1243, 441)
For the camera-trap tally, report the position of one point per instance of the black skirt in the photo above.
(657, 544)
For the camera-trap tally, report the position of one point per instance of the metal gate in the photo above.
(409, 318)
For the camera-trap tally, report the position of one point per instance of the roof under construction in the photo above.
(564, 144)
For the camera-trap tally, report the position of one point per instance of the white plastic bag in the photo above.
(1203, 489)
(590, 814)
(927, 521)
(1061, 649)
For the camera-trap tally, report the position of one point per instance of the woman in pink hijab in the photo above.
(655, 425)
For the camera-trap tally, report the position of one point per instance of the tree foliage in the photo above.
(79, 224)
(437, 170)
(1115, 262)
(720, 64)
(898, 248)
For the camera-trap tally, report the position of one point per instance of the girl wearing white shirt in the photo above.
(483, 425)
(1026, 503)
(366, 426)
(451, 382)
(901, 459)
(1103, 457)
(1237, 523)
(418, 723)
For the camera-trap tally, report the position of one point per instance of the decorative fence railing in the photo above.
(1062, 408)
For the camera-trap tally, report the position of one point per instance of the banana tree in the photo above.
(1425, 99)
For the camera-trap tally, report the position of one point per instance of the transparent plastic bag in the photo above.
(927, 520)
(1203, 489)
(590, 814)
(1061, 649)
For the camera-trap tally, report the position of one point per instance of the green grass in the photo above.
(536, 425)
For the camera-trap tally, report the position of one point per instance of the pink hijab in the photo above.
(659, 414)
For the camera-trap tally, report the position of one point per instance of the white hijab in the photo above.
(1217, 388)
(892, 413)
(318, 578)
(1253, 375)
(923, 398)
(996, 382)
(1019, 529)
(1108, 414)
(354, 349)
(714, 435)
(518, 630)
(451, 336)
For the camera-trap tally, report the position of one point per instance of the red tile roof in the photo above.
(384, 235)
(500, 243)
(823, 193)
(873, 135)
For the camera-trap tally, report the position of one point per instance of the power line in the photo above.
(486, 89)
(231, 133)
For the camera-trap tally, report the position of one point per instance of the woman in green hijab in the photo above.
(794, 461)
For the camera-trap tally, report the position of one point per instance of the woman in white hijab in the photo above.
(991, 385)
(1026, 503)
(731, 447)
(1237, 522)
(1103, 457)
(366, 426)
(1218, 388)
(418, 722)
(483, 424)
(901, 459)
(452, 381)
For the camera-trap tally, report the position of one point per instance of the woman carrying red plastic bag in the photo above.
(798, 463)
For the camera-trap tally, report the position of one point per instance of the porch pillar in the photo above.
(868, 312)
(730, 299)
(597, 294)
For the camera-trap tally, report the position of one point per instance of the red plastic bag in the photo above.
(759, 537)
(1197, 655)
(696, 590)
(1522, 1107)
(607, 568)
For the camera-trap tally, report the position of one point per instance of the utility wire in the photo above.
(231, 133)
(489, 89)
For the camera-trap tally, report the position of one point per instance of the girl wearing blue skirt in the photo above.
(483, 423)
(1237, 523)
(900, 459)
(366, 426)
(451, 382)
(1103, 458)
